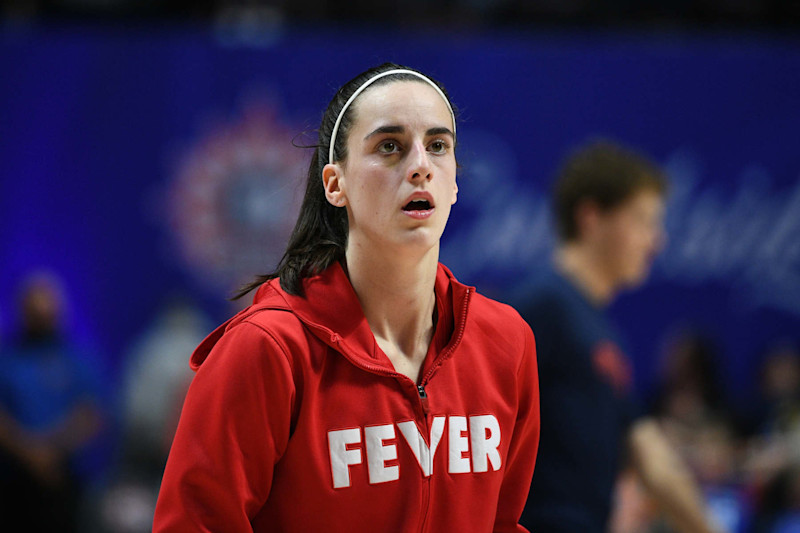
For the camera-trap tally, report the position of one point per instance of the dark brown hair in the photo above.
(605, 173)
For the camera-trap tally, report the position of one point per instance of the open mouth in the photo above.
(417, 205)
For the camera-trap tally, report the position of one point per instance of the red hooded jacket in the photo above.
(297, 421)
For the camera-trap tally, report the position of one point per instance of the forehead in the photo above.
(647, 199)
(401, 101)
(644, 204)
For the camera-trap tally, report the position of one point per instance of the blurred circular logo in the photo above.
(234, 197)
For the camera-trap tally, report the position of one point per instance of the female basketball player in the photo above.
(365, 389)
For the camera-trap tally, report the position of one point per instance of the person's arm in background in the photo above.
(42, 458)
(81, 425)
(667, 478)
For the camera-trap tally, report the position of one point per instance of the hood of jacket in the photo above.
(332, 312)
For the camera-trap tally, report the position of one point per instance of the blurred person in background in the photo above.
(155, 383)
(772, 465)
(609, 207)
(777, 409)
(699, 422)
(49, 414)
(155, 380)
(689, 391)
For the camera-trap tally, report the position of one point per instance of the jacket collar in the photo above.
(332, 312)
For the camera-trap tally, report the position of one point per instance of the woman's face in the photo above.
(399, 179)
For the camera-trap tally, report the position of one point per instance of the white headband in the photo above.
(370, 82)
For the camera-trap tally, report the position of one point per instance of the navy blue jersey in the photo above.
(586, 409)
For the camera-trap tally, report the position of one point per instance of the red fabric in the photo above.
(280, 384)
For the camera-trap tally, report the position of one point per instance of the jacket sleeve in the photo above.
(233, 429)
(524, 443)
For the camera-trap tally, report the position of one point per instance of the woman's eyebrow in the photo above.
(385, 129)
(440, 130)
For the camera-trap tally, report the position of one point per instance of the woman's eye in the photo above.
(438, 147)
(387, 147)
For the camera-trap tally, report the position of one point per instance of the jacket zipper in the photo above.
(423, 398)
(459, 334)
(426, 481)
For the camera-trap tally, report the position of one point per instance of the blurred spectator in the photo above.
(772, 465)
(778, 406)
(697, 418)
(609, 206)
(156, 377)
(49, 414)
(689, 392)
(713, 454)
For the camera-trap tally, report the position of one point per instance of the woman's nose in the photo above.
(419, 166)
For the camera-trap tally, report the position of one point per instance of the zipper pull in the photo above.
(423, 396)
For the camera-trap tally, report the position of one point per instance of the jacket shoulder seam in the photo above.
(272, 337)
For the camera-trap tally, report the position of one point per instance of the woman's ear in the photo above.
(333, 181)
(455, 193)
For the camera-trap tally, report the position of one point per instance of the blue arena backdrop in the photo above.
(143, 162)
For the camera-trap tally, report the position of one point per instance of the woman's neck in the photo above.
(398, 300)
